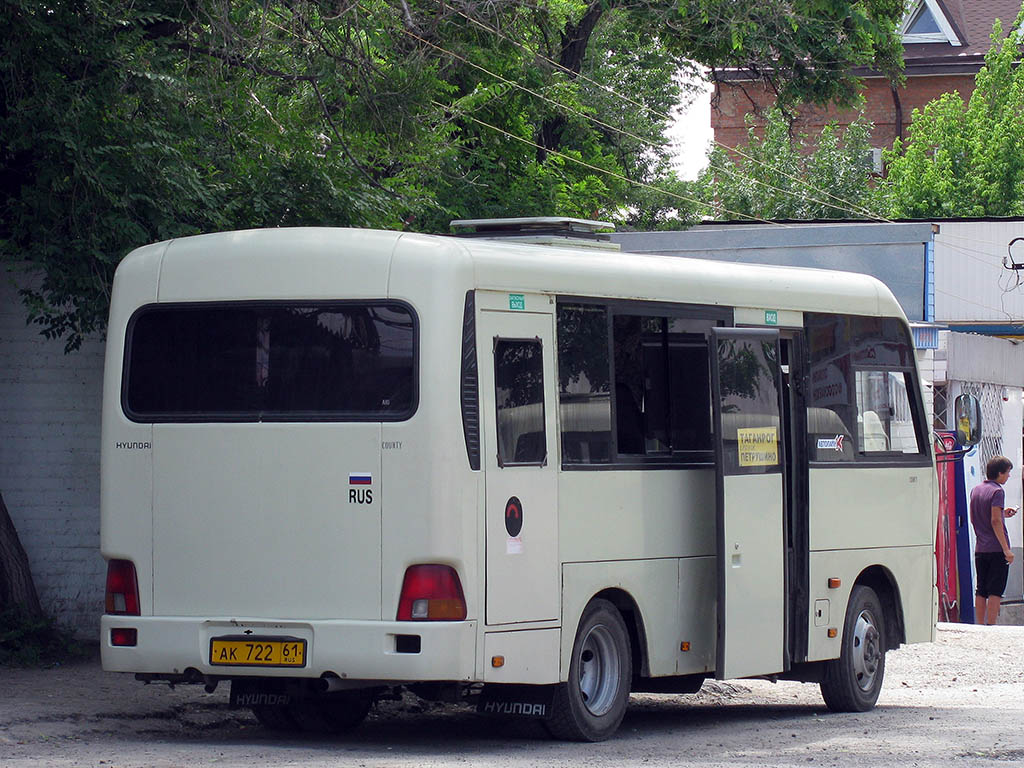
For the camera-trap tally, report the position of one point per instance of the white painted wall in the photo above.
(1011, 413)
(970, 280)
(1013, 417)
(49, 460)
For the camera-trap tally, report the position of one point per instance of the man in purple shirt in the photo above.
(992, 554)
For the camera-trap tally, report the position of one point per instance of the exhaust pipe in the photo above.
(330, 684)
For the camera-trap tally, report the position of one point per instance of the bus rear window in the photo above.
(271, 362)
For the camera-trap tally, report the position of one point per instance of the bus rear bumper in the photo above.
(391, 652)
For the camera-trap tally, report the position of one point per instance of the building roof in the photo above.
(963, 37)
(891, 252)
(970, 22)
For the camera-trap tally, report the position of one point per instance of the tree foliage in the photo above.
(125, 124)
(778, 176)
(29, 639)
(965, 159)
(801, 49)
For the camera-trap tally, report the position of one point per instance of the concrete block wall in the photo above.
(50, 460)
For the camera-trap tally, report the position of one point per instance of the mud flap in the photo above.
(263, 692)
(516, 700)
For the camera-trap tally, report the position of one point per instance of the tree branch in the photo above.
(237, 61)
(344, 147)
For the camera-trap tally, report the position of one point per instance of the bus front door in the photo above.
(750, 457)
(517, 386)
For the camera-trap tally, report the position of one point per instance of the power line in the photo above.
(960, 297)
(523, 88)
(969, 253)
(1001, 246)
(856, 209)
(738, 174)
(997, 310)
(603, 124)
(1012, 281)
(605, 170)
(991, 260)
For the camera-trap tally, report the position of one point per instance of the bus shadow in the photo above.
(439, 729)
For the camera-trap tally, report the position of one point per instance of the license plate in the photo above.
(257, 652)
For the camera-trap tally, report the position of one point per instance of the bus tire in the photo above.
(852, 682)
(344, 711)
(333, 713)
(274, 718)
(590, 706)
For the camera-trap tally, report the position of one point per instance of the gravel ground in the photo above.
(958, 701)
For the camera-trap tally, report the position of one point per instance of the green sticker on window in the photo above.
(516, 301)
(771, 317)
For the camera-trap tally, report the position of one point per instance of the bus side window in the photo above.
(662, 386)
(584, 393)
(519, 401)
(863, 395)
(830, 417)
(647, 365)
(690, 385)
(884, 415)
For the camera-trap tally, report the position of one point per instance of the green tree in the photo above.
(801, 49)
(965, 159)
(778, 176)
(588, 55)
(123, 125)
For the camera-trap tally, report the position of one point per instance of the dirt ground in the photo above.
(958, 701)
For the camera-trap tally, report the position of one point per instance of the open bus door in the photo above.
(750, 457)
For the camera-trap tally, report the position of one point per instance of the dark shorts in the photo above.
(992, 569)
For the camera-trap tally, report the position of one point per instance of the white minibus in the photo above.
(337, 463)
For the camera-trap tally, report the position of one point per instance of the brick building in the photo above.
(944, 46)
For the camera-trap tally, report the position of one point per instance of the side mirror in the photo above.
(967, 415)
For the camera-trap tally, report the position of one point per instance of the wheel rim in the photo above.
(599, 670)
(867, 651)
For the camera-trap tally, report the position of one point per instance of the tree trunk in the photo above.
(575, 38)
(16, 585)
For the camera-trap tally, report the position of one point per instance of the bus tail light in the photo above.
(431, 593)
(122, 588)
(124, 637)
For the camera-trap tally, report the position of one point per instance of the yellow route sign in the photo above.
(758, 446)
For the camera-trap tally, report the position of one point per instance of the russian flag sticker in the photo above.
(360, 478)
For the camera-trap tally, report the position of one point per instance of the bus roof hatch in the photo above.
(540, 230)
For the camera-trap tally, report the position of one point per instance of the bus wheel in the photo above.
(344, 711)
(590, 706)
(852, 682)
(275, 718)
(333, 713)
